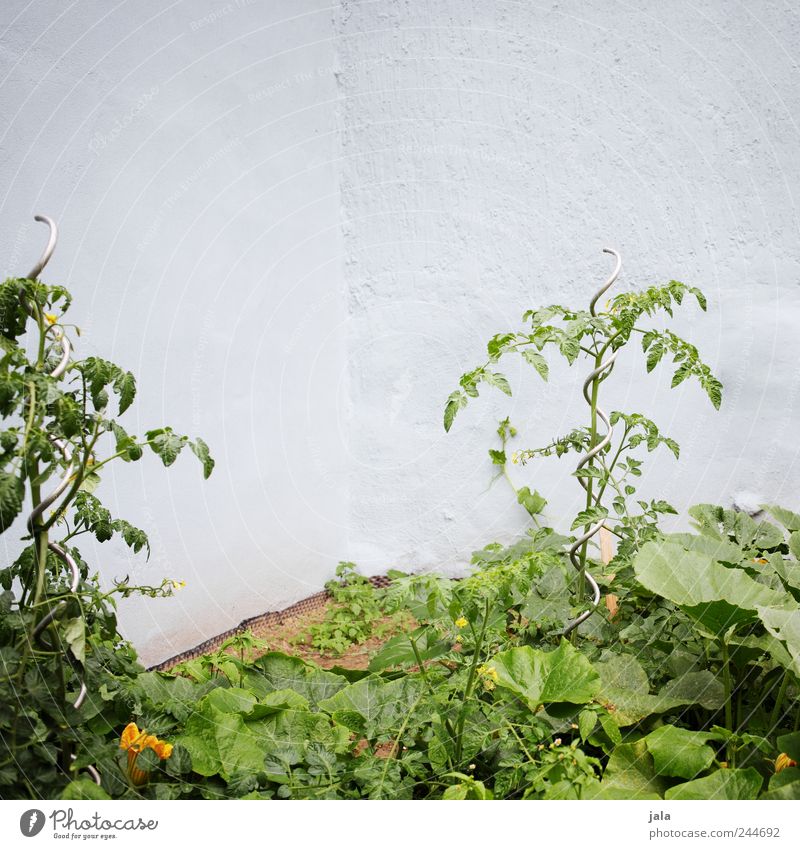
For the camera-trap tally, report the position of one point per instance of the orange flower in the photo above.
(783, 761)
(131, 737)
(162, 749)
(136, 741)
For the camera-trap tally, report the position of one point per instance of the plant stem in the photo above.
(589, 487)
(462, 716)
(776, 715)
(726, 680)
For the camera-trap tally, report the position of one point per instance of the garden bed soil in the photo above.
(285, 631)
(288, 637)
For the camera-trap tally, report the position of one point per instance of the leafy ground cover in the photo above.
(690, 693)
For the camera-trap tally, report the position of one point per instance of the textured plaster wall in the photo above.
(299, 222)
(490, 151)
(189, 152)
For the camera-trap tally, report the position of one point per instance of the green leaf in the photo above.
(784, 625)
(654, 356)
(625, 690)
(498, 457)
(75, 635)
(83, 788)
(12, 493)
(717, 549)
(290, 734)
(790, 791)
(126, 445)
(498, 380)
(694, 688)
(790, 520)
(611, 728)
(497, 345)
(569, 347)
(166, 444)
(179, 762)
(98, 374)
(794, 544)
(398, 651)
(589, 517)
(531, 501)
(713, 594)
(90, 482)
(220, 742)
(683, 371)
(537, 361)
(382, 705)
(69, 415)
(275, 671)
(539, 677)
(630, 774)
(200, 450)
(587, 719)
(730, 784)
(455, 402)
(125, 387)
(790, 744)
(680, 753)
(469, 788)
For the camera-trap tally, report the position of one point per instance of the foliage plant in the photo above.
(482, 701)
(355, 615)
(738, 582)
(61, 424)
(687, 687)
(609, 475)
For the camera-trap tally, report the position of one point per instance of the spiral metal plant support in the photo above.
(598, 374)
(65, 481)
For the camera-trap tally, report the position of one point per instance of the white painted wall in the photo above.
(298, 223)
(190, 153)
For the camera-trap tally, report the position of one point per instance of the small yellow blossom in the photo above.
(783, 761)
(461, 622)
(50, 318)
(178, 585)
(489, 675)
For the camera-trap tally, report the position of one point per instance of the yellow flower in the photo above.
(50, 318)
(783, 761)
(135, 741)
(489, 675)
(178, 585)
(461, 622)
